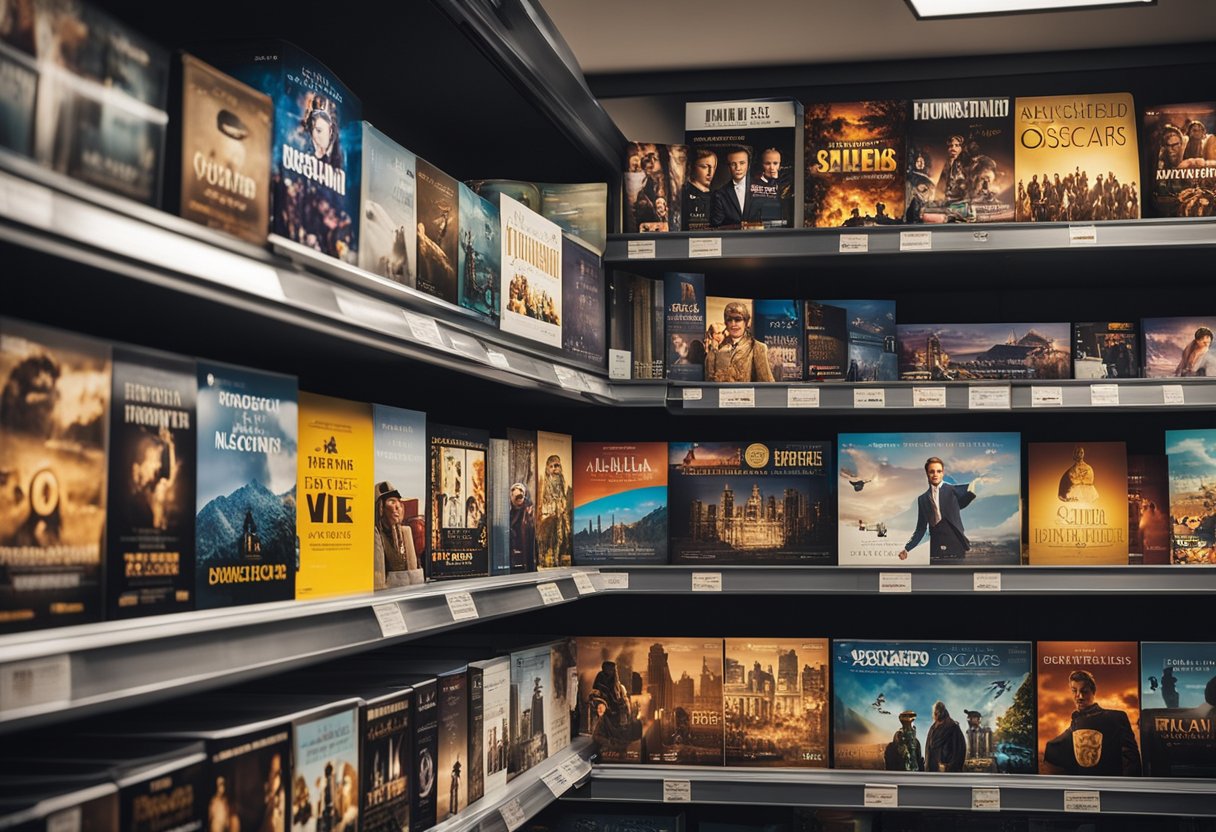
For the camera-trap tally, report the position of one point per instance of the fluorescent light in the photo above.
(971, 8)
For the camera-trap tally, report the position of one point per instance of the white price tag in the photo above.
(850, 243)
(640, 250)
(802, 397)
(989, 398)
(372, 314)
(390, 619)
(881, 796)
(582, 582)
(424, 329)
(615, 580)
(1104, 395)
(915, 240)
(869, 397)
(467, 346)
(1046, 396)
(497, 359)
(986, 800)
(35, 682)
(619, 364)
(737, 397)
(928, 396)
(569, 379)
(677, 791)
(706, 581)
(986, 582)
(549, 593)
(894, 581)
(691, 394)
(26, 202)
(704, 246)
(1075, 801)
(66, 821)
(1082, 235)
(1173, 394)
(558, 781)
(461, 605)
(575, 767)
(512, 814)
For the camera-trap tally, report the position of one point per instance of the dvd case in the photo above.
(625, 485)
(388, 228)
(1178, 698)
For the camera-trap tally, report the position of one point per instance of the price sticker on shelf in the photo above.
(615, 580)
(66, 821)
(915, 240)
(894, 581)
(1078, 801)
(619, 364)
(736, 397)
(371, 314)
(461, 605)
(424, 329)
(512, 814)
(576, 768)
(869, 397)
(497, 359)
(986, 800)
(35, 683)
(1046, 396)
(706, 581)
(26, 202)
(558, 781)
(881, 797)
(569, 379)
(989, 398)
(640, 250)
(1173, 394)
(582, 582)
(798, 397)
(1082, 235)
(928, 396)
(549, 593)
(691, 394)
(1104, 395)
(854, 243)
(704, 246)
(390, 619)
(677, 791)
(986, 582)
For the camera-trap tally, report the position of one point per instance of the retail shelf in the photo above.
(52, 675)
(56, 216)
(946, 397)
(741, 248)
(848, 789)
(527, 794)
(933, 580)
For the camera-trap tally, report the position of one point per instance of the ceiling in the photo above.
(629, 36)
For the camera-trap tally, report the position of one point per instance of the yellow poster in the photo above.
(1078, 503)
(334, 516)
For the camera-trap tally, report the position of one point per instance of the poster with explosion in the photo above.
(854, 153)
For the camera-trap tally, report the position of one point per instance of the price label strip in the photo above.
(461, 605)
(706, 581)
(615, 580)
(390, 619)
(549, 593)
(582, 582)
(34, 683)
(894, 581)
(883, 797)
(677, 791)
(512, 814)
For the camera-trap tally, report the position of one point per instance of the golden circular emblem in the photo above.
(756, 455)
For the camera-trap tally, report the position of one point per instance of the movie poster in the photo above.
(438, 237)
(888, 512)
(1148, 509)
(399, 542)
(754, 148)
(583, 305)
(452, 765)
(523, 499)
(1179, 160)
(1076, 158)
(425, 716)
(854, 156)
(779, 328)
(1089, 708)
(620, 511)
(873, 353)
(654, 182)
(776, 694)
(532, 700)
(825, 330)
(751, 502)
(684, 325)
(153, 447)
(555, 511)
(1106, 349)
(386, 758)
(245, 531)
(53, 412)
(531, 274)
(326, 762)
(1192, 495)
(960, 161)
(652, 700)
(934, 706)
(1178, 695)
(388, 233)
(334, 518)
(495, 680)
(480, 254)
(1179, 347)
(1078, 503)
(459, 545)
(960, 352)
(250, 779)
